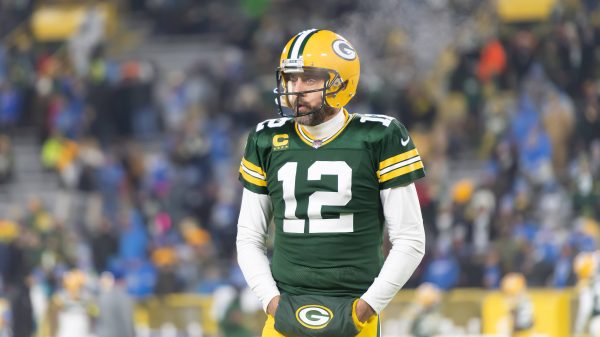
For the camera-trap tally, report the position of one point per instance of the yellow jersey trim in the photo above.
(398, 158)
(253, 167)
(252, 179)
(348, 118)
(401, 171)
(305, 133)
(309, 139)
(308, 142)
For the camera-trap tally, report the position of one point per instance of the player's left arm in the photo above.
(399, 165)
(407, 235)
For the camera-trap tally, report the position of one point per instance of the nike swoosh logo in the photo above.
(405, 142)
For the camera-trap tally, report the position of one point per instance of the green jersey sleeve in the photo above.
(252, 174)
(399, 160)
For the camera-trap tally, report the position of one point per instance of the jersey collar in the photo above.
(310, 140)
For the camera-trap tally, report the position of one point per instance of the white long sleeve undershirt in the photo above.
(328, 127)
(405, 227)
(255, 214)
(404, 223)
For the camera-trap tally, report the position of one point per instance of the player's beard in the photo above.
(318, 116)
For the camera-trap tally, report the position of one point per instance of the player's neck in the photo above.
(329, 127)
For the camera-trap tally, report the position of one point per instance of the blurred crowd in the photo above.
(12, 13)
(525, 101)
(148, 159)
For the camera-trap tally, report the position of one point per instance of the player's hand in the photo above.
(363, 310)
(272, 306)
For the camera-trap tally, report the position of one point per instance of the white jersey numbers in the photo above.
(343, 195)
(271, 123)
(287, 175)
(383, 119)
(318, 199)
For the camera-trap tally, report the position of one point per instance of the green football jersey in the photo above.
(325, 194)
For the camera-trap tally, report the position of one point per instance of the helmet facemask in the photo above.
(331, 86)
(316, 50)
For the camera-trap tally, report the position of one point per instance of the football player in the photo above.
(330, 180)
(585, 267)
(427, 318)
(520, 306)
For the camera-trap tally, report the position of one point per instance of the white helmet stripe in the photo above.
(298, 43)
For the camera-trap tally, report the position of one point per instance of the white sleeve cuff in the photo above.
(407, 235)
(255, 214)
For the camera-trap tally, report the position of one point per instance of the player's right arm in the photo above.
(256, 212)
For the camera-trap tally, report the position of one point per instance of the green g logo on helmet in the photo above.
(314, 316)
(323, 51)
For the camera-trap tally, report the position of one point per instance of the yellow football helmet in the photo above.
(428, 295)
(513, 284)
(318, 50)
(585, 265)
(74, 280)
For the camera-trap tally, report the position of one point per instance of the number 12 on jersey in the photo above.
(318, 199)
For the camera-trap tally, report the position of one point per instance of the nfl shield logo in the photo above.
(317, 143)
